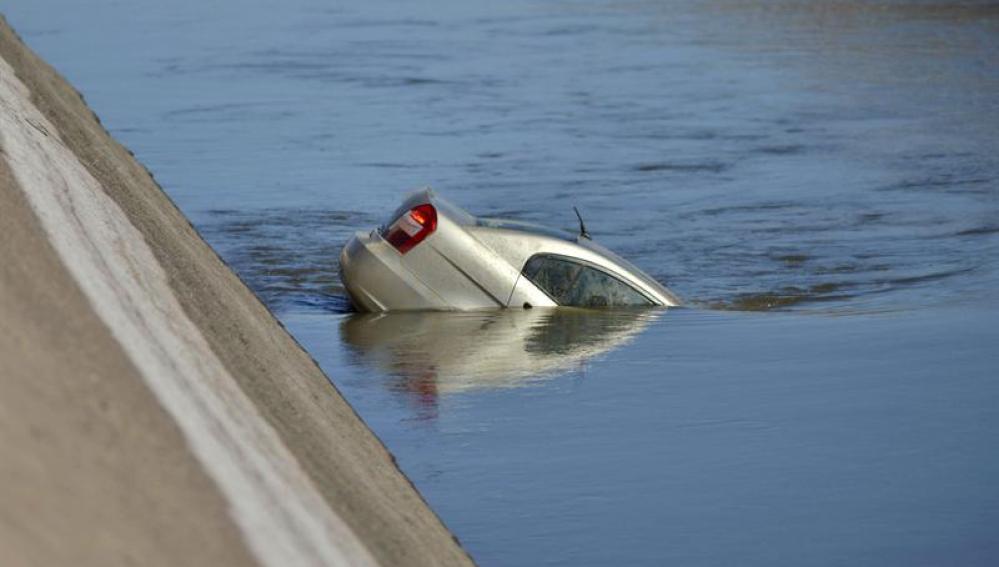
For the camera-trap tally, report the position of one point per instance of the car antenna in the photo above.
(582, 225)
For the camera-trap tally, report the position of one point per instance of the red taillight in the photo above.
(411, 228)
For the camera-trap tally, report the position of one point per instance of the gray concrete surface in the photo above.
(151, 409)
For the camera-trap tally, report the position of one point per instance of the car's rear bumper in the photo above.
(377, 280)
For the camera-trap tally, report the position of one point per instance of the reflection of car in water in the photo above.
(434, 353)
(433, 255)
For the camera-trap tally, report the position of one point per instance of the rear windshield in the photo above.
(573, 283)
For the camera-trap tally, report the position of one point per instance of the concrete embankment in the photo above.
(152, 411)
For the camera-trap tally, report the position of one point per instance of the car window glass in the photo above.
(574, 284)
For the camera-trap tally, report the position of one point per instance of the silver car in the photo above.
(432, 255)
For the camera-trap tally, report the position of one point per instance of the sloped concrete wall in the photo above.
(151, 409)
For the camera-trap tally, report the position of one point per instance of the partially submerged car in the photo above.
(432, 255)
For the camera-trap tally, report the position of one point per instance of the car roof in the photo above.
(528, 227)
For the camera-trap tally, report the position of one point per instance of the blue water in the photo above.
(709, 439)
(820, 180)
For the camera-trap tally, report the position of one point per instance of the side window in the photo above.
(575, 284)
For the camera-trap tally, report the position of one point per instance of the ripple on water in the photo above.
(289, 257)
